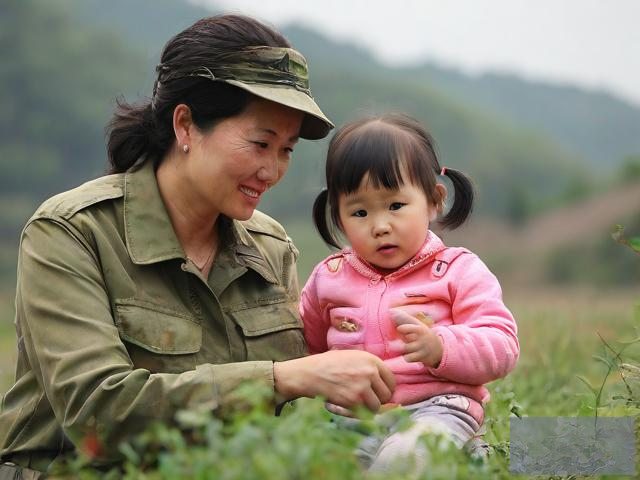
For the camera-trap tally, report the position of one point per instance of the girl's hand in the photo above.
(421, 343)
(347, 378)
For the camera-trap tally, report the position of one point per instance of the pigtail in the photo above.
(320, 218)
(463, 199)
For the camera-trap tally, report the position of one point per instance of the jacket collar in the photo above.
(149, 233)
(432, 245)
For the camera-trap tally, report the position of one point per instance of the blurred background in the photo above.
(538, 101)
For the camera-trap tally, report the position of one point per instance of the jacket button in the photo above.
(348, 326)
(183, 266)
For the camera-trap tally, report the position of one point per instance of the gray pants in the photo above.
(10, 471)
(445, 414)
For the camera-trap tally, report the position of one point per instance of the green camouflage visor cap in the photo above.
(274, 73)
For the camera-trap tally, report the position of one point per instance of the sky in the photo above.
(594, 44)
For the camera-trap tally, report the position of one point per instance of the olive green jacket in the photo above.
(117, 328)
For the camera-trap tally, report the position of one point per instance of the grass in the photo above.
(559, 333)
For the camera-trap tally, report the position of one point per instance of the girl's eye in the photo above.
(360, 213)
(289, 150)
(396, 206)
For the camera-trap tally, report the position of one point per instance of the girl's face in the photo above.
(386, 227)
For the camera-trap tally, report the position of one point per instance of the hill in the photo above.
(568, 244)
(348, 83)
(599, 127)
(596, 126)
(66, 62)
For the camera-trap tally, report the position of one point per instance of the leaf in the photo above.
(618, 235)
(606, 360)
(585, 410)
(130, 454)
(516, 409)
(634, 243)
(588, 384)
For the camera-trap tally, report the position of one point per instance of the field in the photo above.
(558, 331)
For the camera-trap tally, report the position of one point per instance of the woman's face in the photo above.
(230, 166)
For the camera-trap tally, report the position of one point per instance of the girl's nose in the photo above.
(380, 228)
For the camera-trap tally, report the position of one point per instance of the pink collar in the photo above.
(431, 246)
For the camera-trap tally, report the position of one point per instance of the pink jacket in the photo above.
(345, 305)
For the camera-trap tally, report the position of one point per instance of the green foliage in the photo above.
(251, 443)
(633, 243)
(598, 261)
(58, 89)
(630, 169)
(519, 206)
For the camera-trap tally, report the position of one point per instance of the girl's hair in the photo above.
(384, 147)
(146, 128)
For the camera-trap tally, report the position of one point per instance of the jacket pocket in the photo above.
(271, 332)
(347, 329)
(158, 340)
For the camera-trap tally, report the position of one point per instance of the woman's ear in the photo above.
(183, 126)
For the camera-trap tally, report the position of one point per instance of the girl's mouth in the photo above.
(387, 248)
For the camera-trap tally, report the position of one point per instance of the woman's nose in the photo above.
(268, 172)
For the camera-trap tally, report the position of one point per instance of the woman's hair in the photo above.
(383, 148)
(146, 128)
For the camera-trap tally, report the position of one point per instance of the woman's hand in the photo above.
(421, 343)
(347, 378)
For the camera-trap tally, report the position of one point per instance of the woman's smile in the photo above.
(251, 193)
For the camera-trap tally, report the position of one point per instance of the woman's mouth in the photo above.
(249, 192)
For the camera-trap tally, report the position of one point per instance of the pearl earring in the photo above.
(185, 148)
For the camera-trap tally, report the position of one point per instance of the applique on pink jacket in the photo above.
(345, 305)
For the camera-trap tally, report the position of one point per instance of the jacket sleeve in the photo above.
(316, 325)
(481, 345)
(78, 357)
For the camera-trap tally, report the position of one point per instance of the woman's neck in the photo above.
(193, 223)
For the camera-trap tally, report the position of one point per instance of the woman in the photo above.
(160, 287)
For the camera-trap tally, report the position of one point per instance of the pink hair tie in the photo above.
(443, 171)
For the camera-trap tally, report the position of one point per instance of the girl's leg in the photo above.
(446, 414)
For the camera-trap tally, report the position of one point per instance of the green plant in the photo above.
(618, 235)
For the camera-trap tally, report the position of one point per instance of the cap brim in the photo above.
(315, 124)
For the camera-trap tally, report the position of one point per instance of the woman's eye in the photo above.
(289, 150)
(360, 213)
(262, 144)
(396, 206)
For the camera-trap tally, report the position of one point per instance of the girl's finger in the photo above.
(404, 329)
(416, 356)
(400, 317)
(413, 347)
(338, 410)
(410, 337)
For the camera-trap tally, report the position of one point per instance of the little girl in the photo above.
(433, 314)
